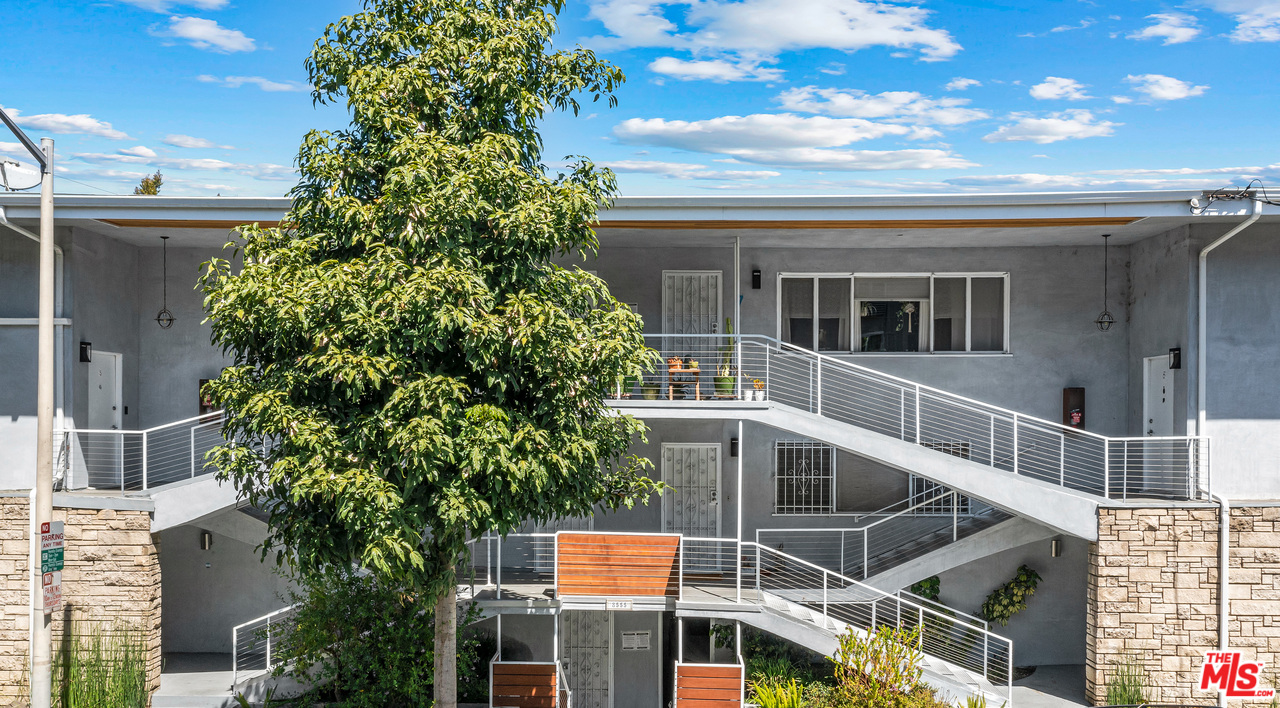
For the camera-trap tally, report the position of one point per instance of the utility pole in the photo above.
(41, 623)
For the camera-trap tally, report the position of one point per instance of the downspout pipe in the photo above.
(58, 312)
(1202, 379)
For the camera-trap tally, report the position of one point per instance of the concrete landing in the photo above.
(1051, 687)
(195, 681)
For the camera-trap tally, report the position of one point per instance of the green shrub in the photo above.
(1127, 684)
(362, 644)
(1010, 598)
(777, 694)
(101, 665)
(880, 668)
(929, 588)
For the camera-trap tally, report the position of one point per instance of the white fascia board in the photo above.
(98, 208)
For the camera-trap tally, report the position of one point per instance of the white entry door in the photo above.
(585, 651)
(105, 384)
(1157, 397)
(691, 301)
(692, 506)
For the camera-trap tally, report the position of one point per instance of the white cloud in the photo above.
(1067, 125)
(785, 140)
(905, 106)
(186, 141)
(1172, 27)
(1256, 20)
(681, 170)
(1122, 99)
(960, 84)
(1159, 87)
(718, 70)
(138, 151)
(759, 30)
(166, 5)
(208, 34)
(265, 171)
(1085, 23)
(260, 82)
(835, 68)
(1058, 88)
(63, 124)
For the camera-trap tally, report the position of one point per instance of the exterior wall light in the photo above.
(733, 447)
(755, 279)
(206, 540)
(1175, 358)
(86, 352)
(1055, 547)
(1105, 318)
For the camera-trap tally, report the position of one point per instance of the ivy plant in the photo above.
(1011, 598)
(411, 366)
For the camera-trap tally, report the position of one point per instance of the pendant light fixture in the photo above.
(1105, 318)
(164, 318)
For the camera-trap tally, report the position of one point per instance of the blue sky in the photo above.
(723, 96)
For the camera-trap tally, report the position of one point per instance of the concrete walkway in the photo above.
(195, 681)
(1051, 687)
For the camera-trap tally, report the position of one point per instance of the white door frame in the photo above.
(1146, 393)
(719, 479)
(117, 403)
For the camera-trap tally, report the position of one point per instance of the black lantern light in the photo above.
(164, 318)
(1105, 318)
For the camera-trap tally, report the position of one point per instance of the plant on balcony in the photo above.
(726, 369)
(406, 348)
(1011, 598)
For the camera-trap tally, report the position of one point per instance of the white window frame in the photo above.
(831, 474)
(926, 314)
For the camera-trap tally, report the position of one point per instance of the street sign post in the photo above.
(52, 553)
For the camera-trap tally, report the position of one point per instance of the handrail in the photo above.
(908, 384)
(200, 419)
(904, 511)
(235, 640)
(562, 686)
(958, 613)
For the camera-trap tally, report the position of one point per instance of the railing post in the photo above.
(818, 387)
(874, 605)
(739, 564)
(920, 639)
(918, 416)
(1106, 467)
(144, 460)
(824, 599)
(985, 651)
(268, 644)
(120, 447)
(955, 511)
(235, 656)
(193, 451)
(768, 356)
(865, 556)
(1015, 443)
(498, 587)
(843, 570)
(759, 571)
(1124, 480)
(680, 560)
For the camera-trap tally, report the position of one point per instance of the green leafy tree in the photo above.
(150, 184)
(407, 352)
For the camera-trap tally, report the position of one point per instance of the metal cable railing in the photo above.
(132, 460)
(255, 644)
(755, 367)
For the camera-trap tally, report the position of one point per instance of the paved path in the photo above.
(1051, 687)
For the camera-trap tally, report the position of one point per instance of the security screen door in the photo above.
(692, 506)
(691, 301)
(584, 646)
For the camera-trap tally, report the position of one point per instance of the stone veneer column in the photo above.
(1153, 594)
(112, 573)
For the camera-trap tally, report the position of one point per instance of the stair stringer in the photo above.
(1011, 533)
(783, 618)
(1067, 511)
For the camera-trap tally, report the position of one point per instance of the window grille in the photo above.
(805, 474)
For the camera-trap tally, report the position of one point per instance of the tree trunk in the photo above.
(446, 659)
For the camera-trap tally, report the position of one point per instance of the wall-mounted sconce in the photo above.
(755, 279)
(86, 352)
(206, 540)
(1175, 358)
(733, 447)
(1055, 547)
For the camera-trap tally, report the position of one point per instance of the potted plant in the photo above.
(758, 393)
(675, 363)
(725, 379)
(649, 390)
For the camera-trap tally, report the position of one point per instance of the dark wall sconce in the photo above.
(733, 447)
(86, 352)
(206, 540)
(755, 279)
(1175, 358)
(1055, 547)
